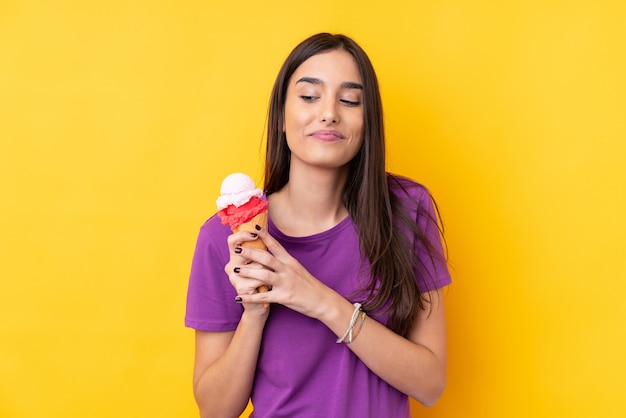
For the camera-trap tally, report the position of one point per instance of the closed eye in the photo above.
(349, 102)
(308, 98)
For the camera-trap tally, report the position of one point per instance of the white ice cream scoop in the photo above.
(237, 189)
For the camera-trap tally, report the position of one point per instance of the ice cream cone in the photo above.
(239, 201)
(261, 220)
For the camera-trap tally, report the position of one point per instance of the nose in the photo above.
(329, 112)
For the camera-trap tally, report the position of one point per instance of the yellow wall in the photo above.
(118, 120)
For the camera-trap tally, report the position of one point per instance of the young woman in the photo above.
(354, 321)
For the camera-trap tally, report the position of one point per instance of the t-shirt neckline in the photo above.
(329, 233)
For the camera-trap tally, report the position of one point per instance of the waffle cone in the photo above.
(261, 220)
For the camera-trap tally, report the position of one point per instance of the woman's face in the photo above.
(324, 111)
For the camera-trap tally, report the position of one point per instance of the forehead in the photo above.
(336, 66)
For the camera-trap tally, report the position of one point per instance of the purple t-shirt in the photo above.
(301, 371)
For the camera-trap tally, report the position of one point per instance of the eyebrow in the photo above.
(344, 85)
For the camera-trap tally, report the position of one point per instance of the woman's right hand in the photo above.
(244, 285)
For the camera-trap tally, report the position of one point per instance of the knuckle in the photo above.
(264, 274)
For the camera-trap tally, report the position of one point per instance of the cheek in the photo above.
(359, 135)
(294, 120)
(358, 126)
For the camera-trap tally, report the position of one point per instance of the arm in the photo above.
(225, 362)
(415, 366)
(224, 368)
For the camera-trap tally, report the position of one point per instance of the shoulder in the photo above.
(405, 189)
(414, 199)
(213, 231)
(214, 225)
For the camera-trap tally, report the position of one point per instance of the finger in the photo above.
(260, 276)
(235, 244)
(272, 244)
(238, 238)
(255, 257)
(259, 298)
(245, 285)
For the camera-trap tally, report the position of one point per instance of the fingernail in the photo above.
(238, 250)
(236, 269)
(238, 299)
(253, 235)
(257, 227)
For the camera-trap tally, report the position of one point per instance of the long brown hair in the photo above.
(374, 210)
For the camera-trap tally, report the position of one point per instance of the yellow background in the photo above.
(118, 120)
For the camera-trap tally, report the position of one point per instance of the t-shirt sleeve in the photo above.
(211, 302)
(431, 267)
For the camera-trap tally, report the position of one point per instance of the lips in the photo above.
(327, 135)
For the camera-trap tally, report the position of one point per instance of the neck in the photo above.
(311, 202)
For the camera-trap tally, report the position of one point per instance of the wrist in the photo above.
(255, 317)
(353, 329)
(336, 314)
